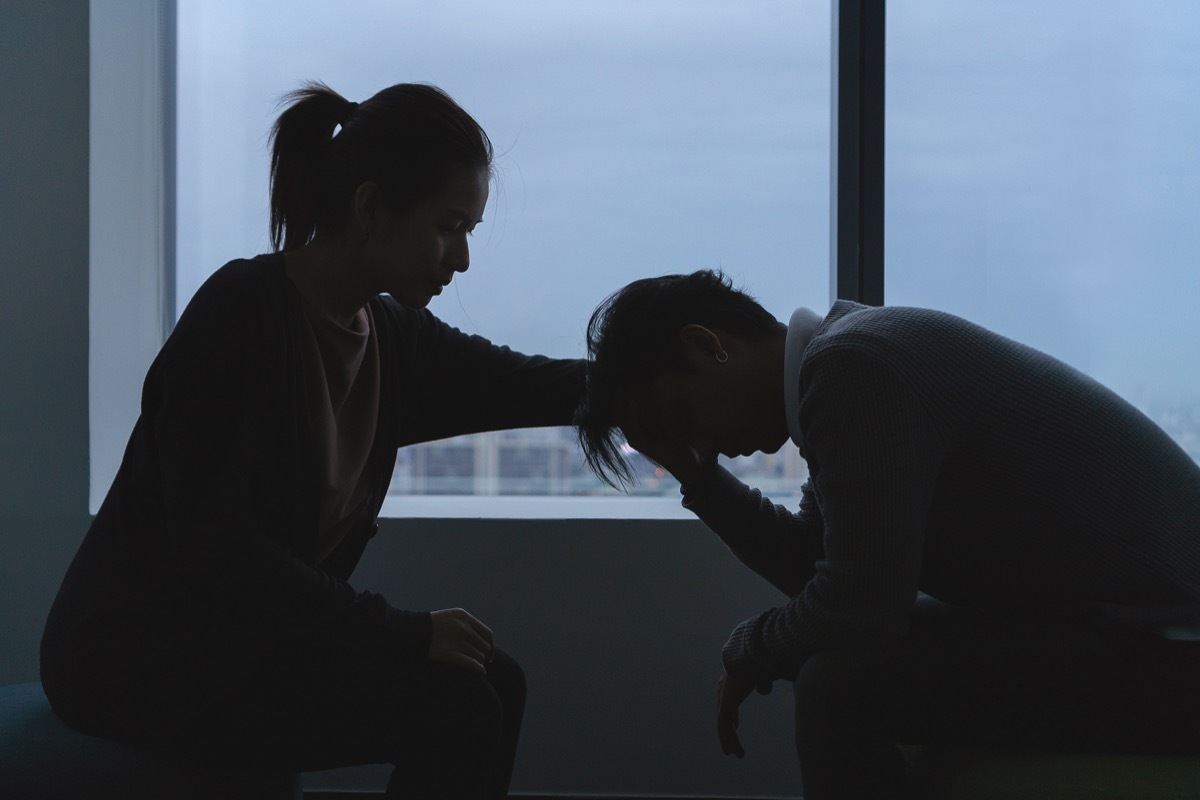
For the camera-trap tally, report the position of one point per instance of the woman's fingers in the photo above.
(472, 650)
(477, 634)
(461, 639)
(466, 662)
(485, 636)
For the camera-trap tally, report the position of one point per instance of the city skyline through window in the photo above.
(1041, 177)
(1042, 180)
(632, 139)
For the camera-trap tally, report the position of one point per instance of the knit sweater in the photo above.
(947, 459)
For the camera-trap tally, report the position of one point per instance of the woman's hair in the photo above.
(633, 338)
(408, 139)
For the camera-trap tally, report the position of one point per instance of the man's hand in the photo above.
(460, 639)
(684, 462)
(731, 692)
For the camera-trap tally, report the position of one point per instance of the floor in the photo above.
(365, 795)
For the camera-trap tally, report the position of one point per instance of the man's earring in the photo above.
(722, 356)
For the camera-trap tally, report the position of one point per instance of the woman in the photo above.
(207, 611)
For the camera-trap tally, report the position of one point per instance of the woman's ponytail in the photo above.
(408, 139)
(301, 148)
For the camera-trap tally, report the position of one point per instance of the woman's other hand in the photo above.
(460, 639)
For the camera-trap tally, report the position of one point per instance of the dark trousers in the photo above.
(449, 732)
(966, 679)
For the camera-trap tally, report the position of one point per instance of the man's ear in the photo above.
(702, 340)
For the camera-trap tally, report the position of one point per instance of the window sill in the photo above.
(509, 507)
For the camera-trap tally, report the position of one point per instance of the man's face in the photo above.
(714, 409)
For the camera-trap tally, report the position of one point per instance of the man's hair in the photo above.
(633, 338)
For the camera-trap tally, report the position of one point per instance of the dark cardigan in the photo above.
(211, 523)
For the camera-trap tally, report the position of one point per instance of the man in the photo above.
(1050, 529)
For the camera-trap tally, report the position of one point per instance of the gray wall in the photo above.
(43, 313)
(617, 624)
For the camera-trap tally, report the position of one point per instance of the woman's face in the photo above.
(414, 254)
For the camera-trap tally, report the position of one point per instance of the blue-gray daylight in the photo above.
(1042, 172)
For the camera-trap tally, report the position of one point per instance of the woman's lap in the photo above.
(297, 699)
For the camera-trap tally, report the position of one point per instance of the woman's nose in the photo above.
(461, 257)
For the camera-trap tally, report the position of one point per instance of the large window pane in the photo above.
(634, 139)
(1043, 179)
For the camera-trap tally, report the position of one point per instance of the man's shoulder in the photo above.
(856, 326)
(850, 324)
(846, 316)
(921, 343)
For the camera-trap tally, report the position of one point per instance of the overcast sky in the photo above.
(1043, 172)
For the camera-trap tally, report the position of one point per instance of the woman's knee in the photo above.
(508, 680)
(481, 702)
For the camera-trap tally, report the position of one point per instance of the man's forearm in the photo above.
(776, 543)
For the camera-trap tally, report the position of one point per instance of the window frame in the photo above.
(132, 229)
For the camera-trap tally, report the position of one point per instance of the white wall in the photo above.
(617, 624)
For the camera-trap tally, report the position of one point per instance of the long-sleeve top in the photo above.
(211, 523)
(946, 459)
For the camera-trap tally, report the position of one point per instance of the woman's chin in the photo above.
(411, 299)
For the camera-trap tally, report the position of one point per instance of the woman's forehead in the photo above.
(466, 190)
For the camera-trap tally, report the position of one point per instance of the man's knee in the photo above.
(837, 690)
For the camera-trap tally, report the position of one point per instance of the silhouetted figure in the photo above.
(1052, 529)
(207, 611)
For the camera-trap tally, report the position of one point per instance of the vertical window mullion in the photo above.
(168, 94)
(131, 169)
(856, 207)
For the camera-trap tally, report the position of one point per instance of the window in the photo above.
(131, 208)
(1043, 180)
(633, 139)
(1040, 178)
